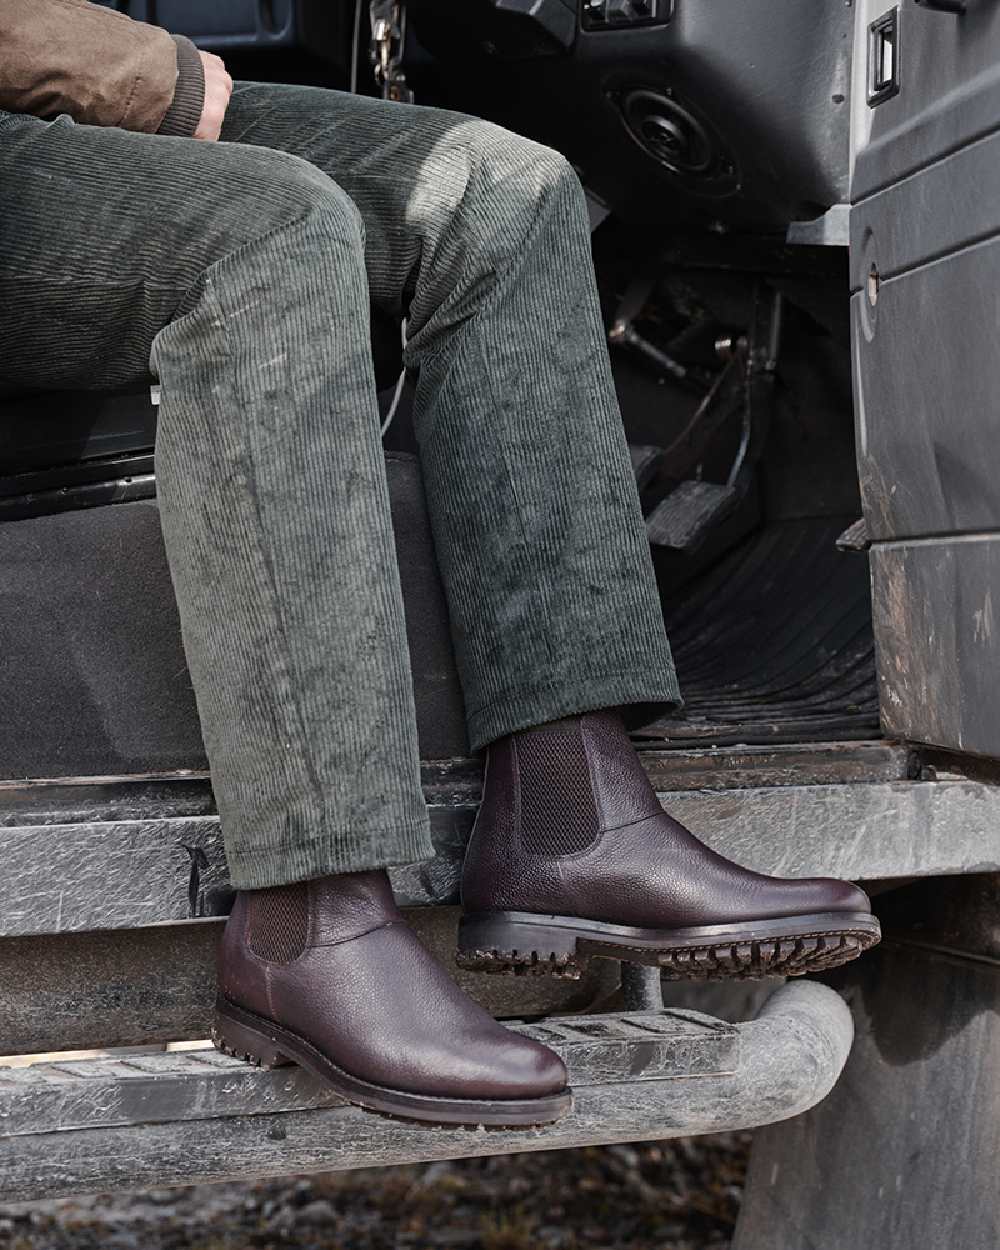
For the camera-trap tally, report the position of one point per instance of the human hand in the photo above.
(218, 89)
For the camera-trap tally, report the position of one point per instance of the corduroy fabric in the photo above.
(242, 273)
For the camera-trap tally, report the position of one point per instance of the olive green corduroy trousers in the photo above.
(239, 274)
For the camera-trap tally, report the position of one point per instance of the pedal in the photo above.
(684, 518)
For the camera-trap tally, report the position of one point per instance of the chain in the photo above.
(388, 20)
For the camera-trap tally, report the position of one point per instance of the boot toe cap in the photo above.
(523, 1068)
(776, 898)
(828, 894)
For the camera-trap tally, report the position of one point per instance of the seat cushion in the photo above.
(92, 668)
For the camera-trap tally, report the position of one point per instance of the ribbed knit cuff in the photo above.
(184, 113)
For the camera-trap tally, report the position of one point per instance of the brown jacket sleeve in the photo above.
(99, 66)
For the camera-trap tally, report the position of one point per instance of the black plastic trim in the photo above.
(70, 498)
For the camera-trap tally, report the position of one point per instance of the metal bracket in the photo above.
(388, 22)
(642, 987)
(624, 334)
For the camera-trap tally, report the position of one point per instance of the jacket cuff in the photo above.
(184, 113)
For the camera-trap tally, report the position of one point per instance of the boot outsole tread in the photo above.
(793, 956)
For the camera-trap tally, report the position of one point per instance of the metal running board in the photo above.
(110, 854)
(204, 1084)
(185, 1117)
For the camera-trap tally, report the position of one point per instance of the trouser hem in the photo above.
(642, 698)
(331, 853)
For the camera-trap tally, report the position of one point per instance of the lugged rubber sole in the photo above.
(259, 1041)
(522, 943)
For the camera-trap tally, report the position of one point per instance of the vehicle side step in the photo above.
(193, 1116)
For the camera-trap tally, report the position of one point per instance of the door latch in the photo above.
(883, 58)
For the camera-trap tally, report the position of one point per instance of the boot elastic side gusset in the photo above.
(327, 974)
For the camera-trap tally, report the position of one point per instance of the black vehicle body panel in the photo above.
(925, 271)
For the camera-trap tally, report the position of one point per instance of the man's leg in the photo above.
(483, 238)
(239, 273)
(480, 236)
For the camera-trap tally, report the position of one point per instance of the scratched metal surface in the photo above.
(202, 1084)
(939, 632)
(785, 1061)
(123, 874)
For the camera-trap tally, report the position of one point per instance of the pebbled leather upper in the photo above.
(644, 869)
(369, 995)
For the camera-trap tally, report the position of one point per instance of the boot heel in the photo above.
(242, 1041)
(502, 942)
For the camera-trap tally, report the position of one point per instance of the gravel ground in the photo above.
(677, 1195)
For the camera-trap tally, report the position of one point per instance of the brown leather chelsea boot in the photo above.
(328, 974)
(572, 856)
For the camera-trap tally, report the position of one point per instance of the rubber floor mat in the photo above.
(774, 643)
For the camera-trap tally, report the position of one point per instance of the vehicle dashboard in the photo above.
(733, 112)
